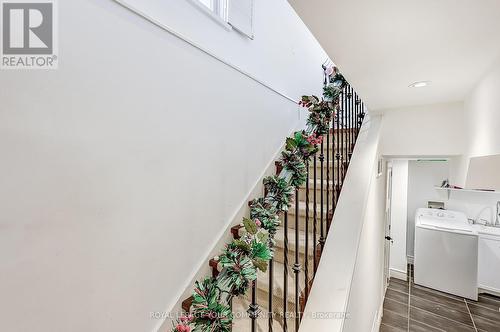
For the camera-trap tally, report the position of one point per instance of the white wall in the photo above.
(283, 54)
(475, 205)
(423, 176)
(428, 130)
(399, 212)
(121, 169)
(367, 289)
(482, 116)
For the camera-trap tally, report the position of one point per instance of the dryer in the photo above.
(446, 252)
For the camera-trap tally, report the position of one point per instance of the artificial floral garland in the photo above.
(243, 257)
(209, 312)
(306, 145)
(279, 192)
(264, 215)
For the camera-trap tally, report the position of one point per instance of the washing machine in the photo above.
(446, 252)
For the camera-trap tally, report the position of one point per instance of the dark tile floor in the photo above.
(410, 307)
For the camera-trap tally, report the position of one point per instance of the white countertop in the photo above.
(487, 230)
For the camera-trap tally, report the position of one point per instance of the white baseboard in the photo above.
(377, 320)
(398, 274)
(488, 290)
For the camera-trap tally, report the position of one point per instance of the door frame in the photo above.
(387, 228)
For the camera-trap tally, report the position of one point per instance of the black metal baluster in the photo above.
(254, 311)
(362, 115)
(344, 148)
(332, 190)
(327, 177)
(361, 108)
(271, 288)
(347, 111)
(357, 118)
(345, 157)
(349, 108)
(354, 119)
(315, 219)
(360, 111)
(342, 143)
(351, 103)
(285, 273)
(306, 259)
(337, 150)
(358, 102)
(350, 125)
(345, 125)
(363, 112)
(296, 265)
(321, 208)
(355, 124)
(351, 129)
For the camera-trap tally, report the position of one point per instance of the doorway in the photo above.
(387, 216)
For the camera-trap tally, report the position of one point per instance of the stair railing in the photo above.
(340, 139)
(325, 176)
(339, 143)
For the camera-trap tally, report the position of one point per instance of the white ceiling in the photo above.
(382, 46)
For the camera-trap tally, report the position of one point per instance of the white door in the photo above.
(387, 246)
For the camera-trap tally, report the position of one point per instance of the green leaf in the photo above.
(242, 245)
(250, 226)
(263, 237)
(291, 144)
(261, 251)
(260, 264)
(299, 139)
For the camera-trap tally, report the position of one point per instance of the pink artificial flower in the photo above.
(315, 140)
(304, 103)
(258, 222)
(329, 71)
(183, 328)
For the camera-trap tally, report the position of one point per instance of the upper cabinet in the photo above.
(484, 173)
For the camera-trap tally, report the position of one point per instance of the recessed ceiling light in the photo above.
(419, 84)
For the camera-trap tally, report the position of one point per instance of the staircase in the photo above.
(279, 295)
